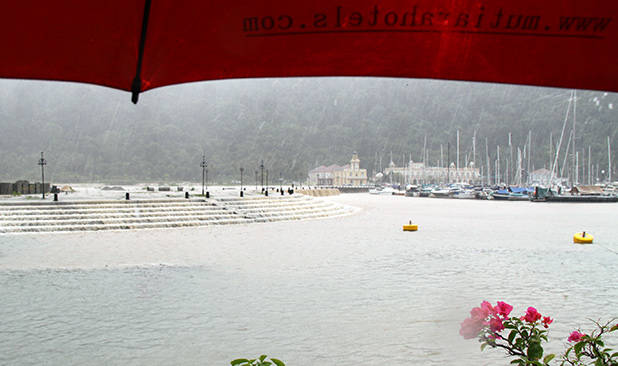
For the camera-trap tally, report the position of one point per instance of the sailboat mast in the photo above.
(589, 165)
(457, 166)
(576, 178)
(551, 150)
(448, 162)
(498, 176)
(487, 161)
(566, 155)
(609, 161)
(529, 155)
(566, 117)
(518, 166)
(575, 171)
(474, 147)
(509, 163)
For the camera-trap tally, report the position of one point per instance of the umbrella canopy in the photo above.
(141, 45)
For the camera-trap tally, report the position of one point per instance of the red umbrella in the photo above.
(141, 45)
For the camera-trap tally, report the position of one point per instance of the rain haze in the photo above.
(94, 134)
(159, 278)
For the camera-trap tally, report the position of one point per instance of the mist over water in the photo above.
(345, 291)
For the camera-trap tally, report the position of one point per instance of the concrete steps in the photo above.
(296, 207)
(30, 217)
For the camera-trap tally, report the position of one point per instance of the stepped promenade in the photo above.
(116, 214)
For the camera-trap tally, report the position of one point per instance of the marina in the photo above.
(349, 290)
(308, 184)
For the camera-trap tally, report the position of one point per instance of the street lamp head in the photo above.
(42, 160)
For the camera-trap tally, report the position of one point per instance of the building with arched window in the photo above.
(418, 173)
(335, 175)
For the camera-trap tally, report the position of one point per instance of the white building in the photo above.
(335, 175)
(418, 173)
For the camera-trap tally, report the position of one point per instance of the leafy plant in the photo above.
(523, 337)
(261, 361)
(590, 349)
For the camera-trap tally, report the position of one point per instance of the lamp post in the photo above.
(203, 164)
(241, 171)
(42, 162)
(262, 174)
(280, 184)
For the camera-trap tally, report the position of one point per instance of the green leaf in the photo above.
(239, 361)
(277, 362)
(578, 348)
(519, 343)
(548, 358)
(518, 361)
(512, 336)
(615, 327)
(615, 354)
(599, 362)
(535, 351)
(544, 338)
(262, 358)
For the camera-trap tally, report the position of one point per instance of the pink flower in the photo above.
(495, 324)
(471, 327)
(547, 321)
(487, 308)
(575, 336)
(503, 309)
(532, 315)
(482, 312)
(477, 313)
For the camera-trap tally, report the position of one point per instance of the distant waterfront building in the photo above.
(418, 173)
(335, 175)
(323, 175)
(23, 187)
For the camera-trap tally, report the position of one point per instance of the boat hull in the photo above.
(581, 199)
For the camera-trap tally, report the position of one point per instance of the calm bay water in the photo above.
(345, 291)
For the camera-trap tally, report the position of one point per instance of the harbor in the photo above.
(309, 184)
(349, 290)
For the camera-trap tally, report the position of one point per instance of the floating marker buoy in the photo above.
(410, 227)
(582, 238)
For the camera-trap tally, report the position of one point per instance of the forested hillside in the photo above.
(91, 133)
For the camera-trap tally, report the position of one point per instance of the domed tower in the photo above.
(355, 162)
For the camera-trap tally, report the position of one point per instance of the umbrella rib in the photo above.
(136, 86)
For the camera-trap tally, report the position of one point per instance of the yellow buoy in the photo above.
(410, 227)
(582, 238)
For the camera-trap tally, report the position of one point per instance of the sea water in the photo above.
(353, 290)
